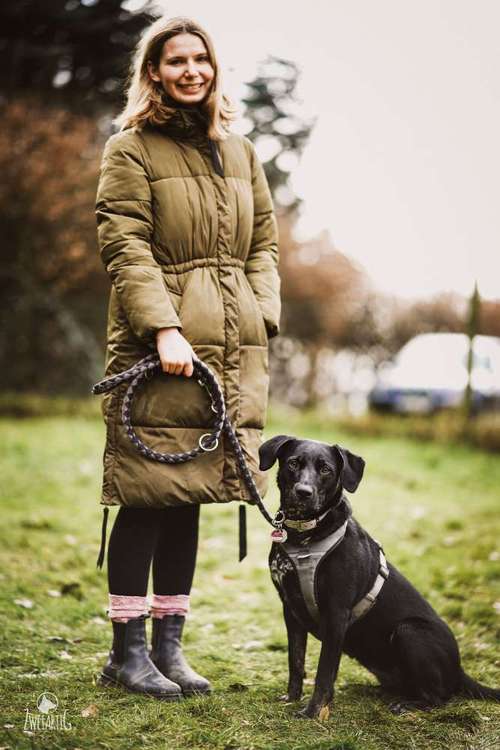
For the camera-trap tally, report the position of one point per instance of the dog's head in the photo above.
(311, 474)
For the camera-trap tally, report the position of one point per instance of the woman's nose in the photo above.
(191, 69)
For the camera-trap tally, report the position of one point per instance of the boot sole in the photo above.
(194, 693)
(105, 681)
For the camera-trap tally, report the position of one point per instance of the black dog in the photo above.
(352, 600)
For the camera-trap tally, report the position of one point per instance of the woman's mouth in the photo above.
(190, 87)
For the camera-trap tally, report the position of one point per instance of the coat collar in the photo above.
(189, 124)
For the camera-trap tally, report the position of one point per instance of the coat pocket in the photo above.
(253, 331)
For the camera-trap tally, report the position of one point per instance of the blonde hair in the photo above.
(145, 98)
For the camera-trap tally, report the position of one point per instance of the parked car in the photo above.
(430, 373)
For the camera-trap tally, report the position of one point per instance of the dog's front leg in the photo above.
(297, 643)
(333, 632)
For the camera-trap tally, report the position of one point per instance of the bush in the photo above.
(482, 431)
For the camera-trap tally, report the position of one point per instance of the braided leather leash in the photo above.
(138, 374)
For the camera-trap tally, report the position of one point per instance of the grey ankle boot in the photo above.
(129, 664)
(168, 657)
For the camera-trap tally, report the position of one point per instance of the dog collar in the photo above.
(305, 525)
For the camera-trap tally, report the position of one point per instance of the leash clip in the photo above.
(279, 519)
(279, 534)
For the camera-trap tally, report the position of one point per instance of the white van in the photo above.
(430, 373)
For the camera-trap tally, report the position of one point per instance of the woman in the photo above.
(188, 236)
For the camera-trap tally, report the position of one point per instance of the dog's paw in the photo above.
(398, 709)
(290, 697)
(405, 707)
(321, 713)
(304, 714)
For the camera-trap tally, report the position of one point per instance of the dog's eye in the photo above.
(292, 464)
(324, 469)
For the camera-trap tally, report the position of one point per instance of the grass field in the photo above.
(434, 507)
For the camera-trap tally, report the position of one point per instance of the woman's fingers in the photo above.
(176, 354)
(179, 367)
(172, 368)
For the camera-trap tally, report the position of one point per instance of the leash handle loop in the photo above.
(151, 365)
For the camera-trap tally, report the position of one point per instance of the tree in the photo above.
(52, 284)
(277, 126)
(490, 317)
(68, 52)
(472, 327)
(63, 63)
(326, 307)
(323, 289)
(398, 321)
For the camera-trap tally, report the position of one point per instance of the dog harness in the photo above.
(306, 559)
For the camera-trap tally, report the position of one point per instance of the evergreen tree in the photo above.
(277, 125)
(69, 52)
(473, 324)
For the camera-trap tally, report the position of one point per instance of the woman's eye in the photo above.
(324, 469)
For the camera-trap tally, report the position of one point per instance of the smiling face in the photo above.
(308, 478)
(184, 70)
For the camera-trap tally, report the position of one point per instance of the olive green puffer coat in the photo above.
(186, 247)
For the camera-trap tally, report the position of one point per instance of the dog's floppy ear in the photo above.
(352, 468)
(268, 451)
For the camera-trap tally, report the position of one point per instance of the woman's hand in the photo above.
(176, 354)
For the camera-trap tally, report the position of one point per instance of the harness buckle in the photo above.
(207, 448)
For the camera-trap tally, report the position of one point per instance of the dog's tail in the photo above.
(472, 689)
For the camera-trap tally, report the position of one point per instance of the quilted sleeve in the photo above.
(124, 228)
(261, 266)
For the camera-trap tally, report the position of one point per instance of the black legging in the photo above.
(168, 536)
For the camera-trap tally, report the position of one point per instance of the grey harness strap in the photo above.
(367, 602)
(306, 559)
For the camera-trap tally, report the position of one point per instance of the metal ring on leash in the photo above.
(151, 365)
(207, 448)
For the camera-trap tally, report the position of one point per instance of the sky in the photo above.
(403, 165)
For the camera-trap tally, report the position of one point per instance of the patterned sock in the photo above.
(124, 608)
(169, 604)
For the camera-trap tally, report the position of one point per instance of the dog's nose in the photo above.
(303, 491)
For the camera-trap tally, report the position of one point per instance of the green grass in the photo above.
(434, 507)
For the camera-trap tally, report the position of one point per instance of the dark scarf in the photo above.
(189, 124)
